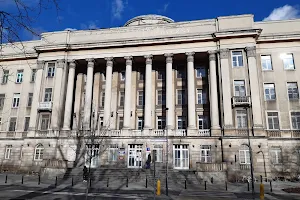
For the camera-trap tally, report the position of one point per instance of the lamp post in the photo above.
(264, 163)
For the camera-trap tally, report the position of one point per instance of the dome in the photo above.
(148, 19)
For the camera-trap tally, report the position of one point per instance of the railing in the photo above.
(274, 133)
(136, 133)
(46, 133)
(204, 132)
(241, 100)
(159, 132)
(242, 131)
(45, 106)
(244, 166)
(283, 133)
(211, 167)
(180, 132)
(12, 134)
(114, 133)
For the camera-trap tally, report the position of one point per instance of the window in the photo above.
(205, 154)
(141, 75)
(123, 76)
(48, 95)
(120, 123)
(39, 152)
(200, 72)
(180, 97)
(26, 124)
(293, 90)
(244, 155)
(273, 120)
(270, 93)
(161, 97)
(237, 59)
(113, 152)
(161, 122)
(161, 75)
(295, 120)
(45, 122)
(16, 100)
(158, 153)
(7, 154)
(288, 61)
(19, 78)
(201, 96)
(102, 99)
(239, 88)
(276, 156)
(202, 122)
(140, 98)
(241, 119)
(12, 124)
(51, 70)
(29, 101)
(140, 123)
(33, 73)
(122, 96)
(266, 62)
(181, 73)
(2, 99)
(5, 76)
(181, 122)
(101, 122)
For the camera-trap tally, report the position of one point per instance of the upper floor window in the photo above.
(16, 100)
(51, 70)
(140, 98)
(141, 75)
(123, 76)
(161, 97)
(180, 97)
(181, 122)
(266, 62)
(295, 120)
(161, 122)
(181, 73)
(32, 77)
(273, 120)
(48, 95)
(19, 78)
(2, 99)
(239, 88)
(121, 120)
(5, 76)
(200, 72)
(288, 61)
(102, 99)
(237, 59)
(140, 123)
(161, 75)
(202, 122)
(205, 154)
(122, 96)
(101, 122)
(7, 153)
(241, 119)
(45, 122)
(201, 96)
(12, 124)
(26, 123)
(276, 157)
(270, 93)
(244, 155)
(29, 101)
(293, 90)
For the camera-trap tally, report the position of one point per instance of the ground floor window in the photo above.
(158, 153)
(8, 149)
(244, 155)
(39, 152)
(205, 154)
(113, 152)
(276, 156)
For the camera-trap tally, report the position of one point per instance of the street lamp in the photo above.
(264, 163)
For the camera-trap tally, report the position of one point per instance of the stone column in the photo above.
(88, 94)
(213, 89)
(78, 101)
(148, 93)
(96, 98)
(254, 85)
(191, 91)
(69, 98)
(226, 88)
(169, 91)
(107, 100)
(127, 103)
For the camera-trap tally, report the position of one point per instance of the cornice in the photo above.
(237, 33)
(18, 56)
(279, 37)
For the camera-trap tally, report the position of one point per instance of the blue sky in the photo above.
(92, 14)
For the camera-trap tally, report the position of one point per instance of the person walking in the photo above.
(85, 174)
(148, 162)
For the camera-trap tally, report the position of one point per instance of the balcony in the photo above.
(204, 132)
(283, 133)
(180, 132)
(45, 106)
(241, 101)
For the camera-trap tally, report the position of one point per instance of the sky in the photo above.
(94, 14)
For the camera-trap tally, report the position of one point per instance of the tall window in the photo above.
(161, 122)
(102, 99)
(205, 154)
(266, 62)
(237, 59)
(202, 122)
(45, 122)
(201, 96)
(7, 153)
(270, 93)
(101, 122)
(16, 100)
(158, 153)
(295, 120)
(141, 75)
(2, 99)
(12, 124)
(200, 72)
(276, 156)
(140, 98)
(180, 97)
(26, 123)
(51, 70)
(241, 119)
(181, 122)
(273, 120)
(122, 96)
(29, 100)
(181, 73)
(239, 88)
(39, 152)
(244, 155)
(123, 76)
(161, 75)
(48, 95)
(113, 152)
(140, 123)
(5, 76)
(19, 78)
(121, 119)
(161, 97)
(293, 90)
(32, 77)
(288, 61)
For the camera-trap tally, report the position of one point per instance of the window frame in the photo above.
(283, 58)
(120, 122)
(29, 99)
(246, 159)
(26, 123)
(113, 153)
(2, 100)
(237, 60)
(267, 120)
(16, 100)
(181, 72)
(140, 94)
(270, 89)
(140, 123)
(51, 69)
(42, 117)
(161, 74)
(182, 120)
(7, 152)
(19, 76)
(158, 153)
(297, 122)
(122, 75)
(33, 75)
(278, 155)
(183, 100)
(207, 155)
(295, 95)
(200, 74)
(162, 120)
(204, 120)
(48, 95)
(121, 98)
(10, 128)
(243, 116)
(102, 98)
(261, 62)
(240, 87)
(161, 98)
(38, 152)
(5, 76)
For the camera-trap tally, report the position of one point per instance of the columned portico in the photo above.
(191, 91)
(148, 93)
(108, 84)
(127, 103)
(88, 94)
(169, 91)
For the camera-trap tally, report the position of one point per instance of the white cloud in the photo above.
(70, 29)
(164, 8)
(117, 8)
(90, 25)
(283, 13)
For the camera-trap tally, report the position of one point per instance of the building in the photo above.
(197, 87)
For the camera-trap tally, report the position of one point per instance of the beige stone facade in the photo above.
(197, 87)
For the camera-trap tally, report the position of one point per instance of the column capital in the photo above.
(224, 53)
(212, 55)
(148, 59)
(251, 51)
(128, 60)
(190, 56)
(72, 63)
(90, 62)
(109, 61)
(169, 57)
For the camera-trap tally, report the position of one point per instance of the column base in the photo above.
(66, 128)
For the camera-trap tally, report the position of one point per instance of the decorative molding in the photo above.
(224, 53)
(72, 63)
(190, 56)
(212, 55)
(148, 59)
(251, 51)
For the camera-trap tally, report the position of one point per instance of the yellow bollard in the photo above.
(262, 191)
(158, 188)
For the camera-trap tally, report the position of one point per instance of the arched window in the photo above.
(244, 155)
(39, 152)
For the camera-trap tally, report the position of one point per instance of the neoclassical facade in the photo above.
(194, 91)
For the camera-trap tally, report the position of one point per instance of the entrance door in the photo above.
(92, 154)
(181, 156)
(135, 155)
